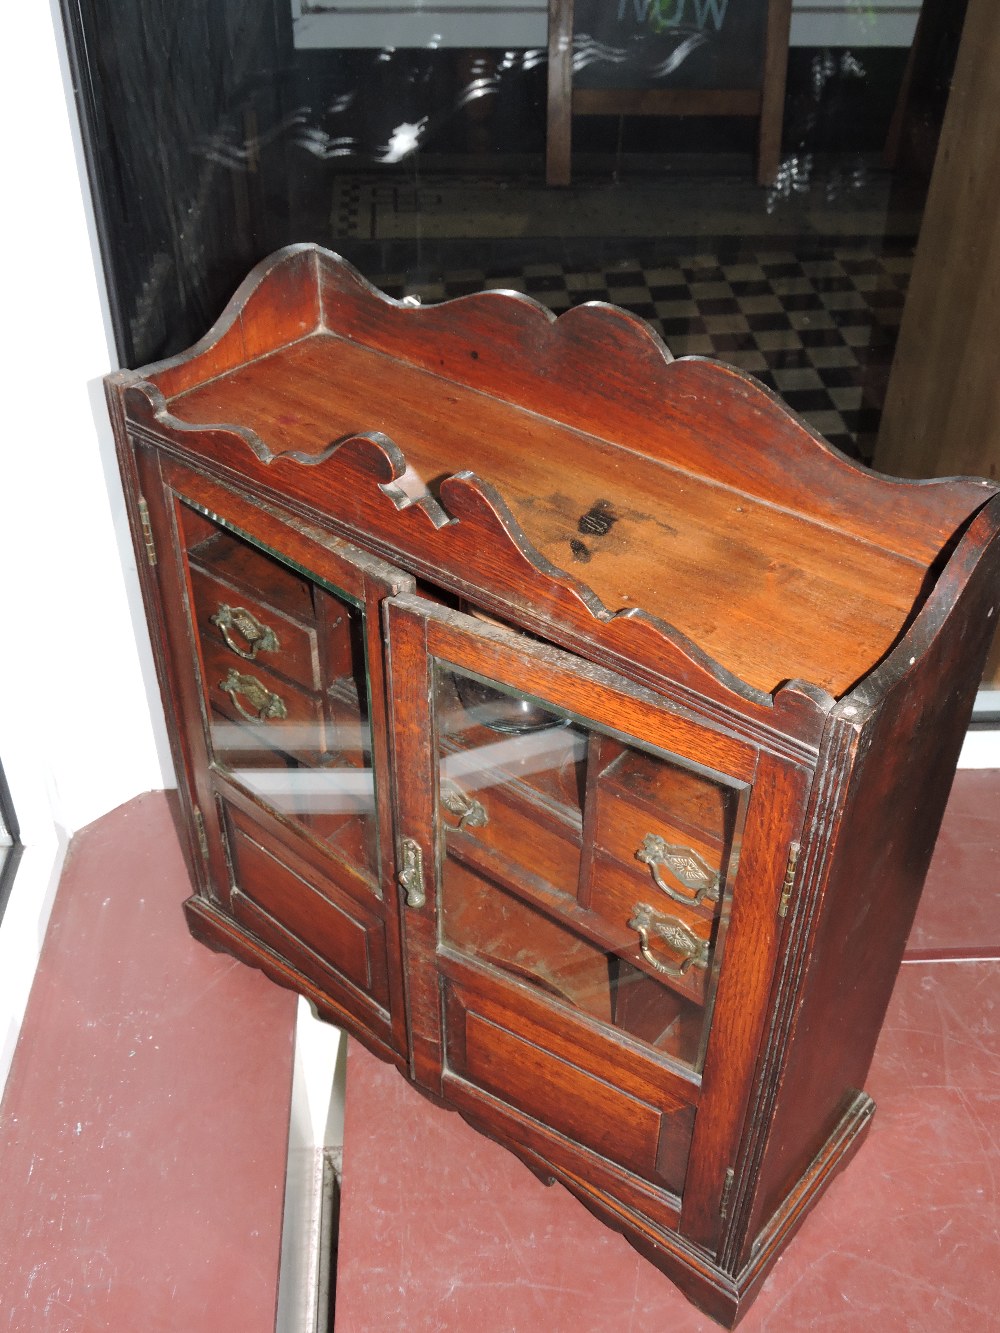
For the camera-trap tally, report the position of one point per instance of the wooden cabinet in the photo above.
(570, 725)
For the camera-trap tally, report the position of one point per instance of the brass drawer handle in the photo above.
(266, 704)
(693, 951)
(260, 638)
(467, 808)
(685, 865)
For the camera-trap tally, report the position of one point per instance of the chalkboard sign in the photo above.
(667, 58)
(693, 44)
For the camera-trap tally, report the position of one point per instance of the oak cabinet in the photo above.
(570, 725)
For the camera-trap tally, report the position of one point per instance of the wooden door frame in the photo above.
(765, 103)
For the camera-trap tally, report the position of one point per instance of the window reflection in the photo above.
(412, 139)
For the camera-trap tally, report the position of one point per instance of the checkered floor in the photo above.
(819, 326)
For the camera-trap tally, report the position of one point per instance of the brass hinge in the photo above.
(789, 883)
(727, 1189)
(199, 824)
(147, 531)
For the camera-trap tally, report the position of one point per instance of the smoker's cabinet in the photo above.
(569, 724)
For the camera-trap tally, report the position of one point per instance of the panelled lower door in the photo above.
(591, 882)
(276, 645)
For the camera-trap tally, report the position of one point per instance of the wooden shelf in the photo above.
(693, 546)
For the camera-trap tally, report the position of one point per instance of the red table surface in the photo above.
(443, 1231)
(143, 1133)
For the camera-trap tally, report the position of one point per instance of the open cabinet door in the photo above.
(271, 645)
(585, 905)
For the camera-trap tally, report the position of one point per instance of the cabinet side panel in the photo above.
(882, 841)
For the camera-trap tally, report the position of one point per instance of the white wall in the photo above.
(981, 749)
(77, 729)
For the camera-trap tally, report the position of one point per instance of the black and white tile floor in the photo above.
(816, 325)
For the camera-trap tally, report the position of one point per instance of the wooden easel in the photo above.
(766, 102)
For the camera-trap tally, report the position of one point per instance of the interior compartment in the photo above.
(513, 779)
(483, 920)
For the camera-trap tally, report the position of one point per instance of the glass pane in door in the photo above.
(513, 778)
(593, 869)
(285, 684)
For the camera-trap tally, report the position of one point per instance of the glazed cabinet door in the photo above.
(591, 887)
(271, 634)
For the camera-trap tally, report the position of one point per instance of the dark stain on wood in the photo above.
(599, 519)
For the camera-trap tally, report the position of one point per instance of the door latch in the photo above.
(411, 874)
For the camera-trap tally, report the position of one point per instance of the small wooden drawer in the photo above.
(526, 832)
(254, 633)
(680, 938)
(240, 564)
(348, 940)
(658, 855)
(267, 709)
(521, 797)
(667, 829)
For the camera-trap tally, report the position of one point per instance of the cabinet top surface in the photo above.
(681, 488)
